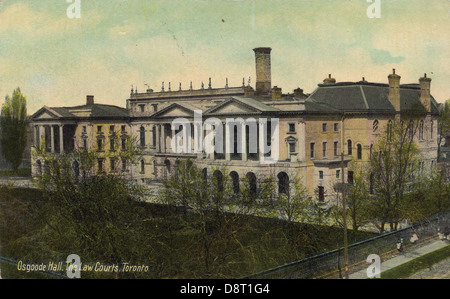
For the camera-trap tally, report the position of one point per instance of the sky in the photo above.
(115, 44)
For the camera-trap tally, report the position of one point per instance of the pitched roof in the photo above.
(85, 111)
(365, 96)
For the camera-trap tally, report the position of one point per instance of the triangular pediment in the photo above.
(175, 111)
(232, 106)
(46, 113)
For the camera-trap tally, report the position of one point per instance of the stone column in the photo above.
(244, 142)
(262, 142)
(61, 139)
(163, 138)
(302, 141)
(52, 139)
(158, 138)
(229, 144)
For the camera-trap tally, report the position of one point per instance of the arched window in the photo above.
(375, 125)
(359, 151)
(205, 175)
(142, 136)
(283, 183)
(235, 179)
(167, 164)
(218, 180)
(389, 130)
(431, 129)
(251, 178)
(76, 169)
(142, 166)
(349, 147)
(154, 135)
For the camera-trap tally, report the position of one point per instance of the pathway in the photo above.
(402, 258)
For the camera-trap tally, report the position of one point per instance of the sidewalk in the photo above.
(402, 258)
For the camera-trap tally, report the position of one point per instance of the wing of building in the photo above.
(317, 134)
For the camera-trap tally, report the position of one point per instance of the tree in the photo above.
(393, 169)
(14, 124)
(293, 205)
(358, 196)
(444, 124)
(93, 214)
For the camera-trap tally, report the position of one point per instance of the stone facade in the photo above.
(319, 133)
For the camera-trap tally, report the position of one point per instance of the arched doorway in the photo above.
(283, 183)
(235, 180)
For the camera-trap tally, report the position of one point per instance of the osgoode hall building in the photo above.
(314, 130)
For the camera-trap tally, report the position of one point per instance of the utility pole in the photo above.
(344, 203)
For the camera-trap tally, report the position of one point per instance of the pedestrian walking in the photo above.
(400, 245)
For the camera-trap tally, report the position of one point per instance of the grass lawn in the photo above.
(409, 268)
(172, 244)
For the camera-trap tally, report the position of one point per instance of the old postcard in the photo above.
(224, 139)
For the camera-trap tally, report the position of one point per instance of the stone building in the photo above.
(314, 129)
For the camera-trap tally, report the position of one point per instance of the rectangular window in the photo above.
(141, 108)
(124, 144)
(336, 127)
(324, 149)
(155, 107)
(100, 164)
(338, 174)
(85, 143)
(291, 128)
(312, 150)
(123, 129)
(321, 193)
(321, 175)
(99, 129)
(335, 148)
(350, 177)
(324, 127)
(99, 144)
(112, 164)
(292, 147)
(112, 145)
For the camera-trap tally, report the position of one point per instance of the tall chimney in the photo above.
(425, 95)
(394, 90)
(263, 74)
(89, 100)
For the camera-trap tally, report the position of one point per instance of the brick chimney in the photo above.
(89, 100)
(249, 91)
(298, 93)
(329, 80)
(394, 90)
(425, 95)
(263, 72)
(276, 93)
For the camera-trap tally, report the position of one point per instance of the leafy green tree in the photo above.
(293, 205)
(394, 170)
(14, 124)
(444, 124)
(93, 214)
(358, 197)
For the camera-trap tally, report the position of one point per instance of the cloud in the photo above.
(382, 57)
